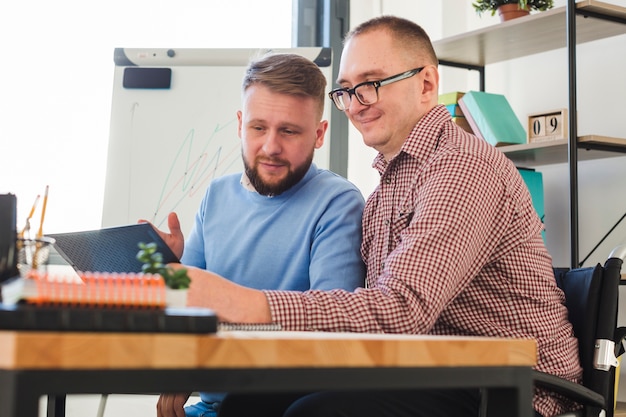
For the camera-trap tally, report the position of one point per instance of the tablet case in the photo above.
(112, 249)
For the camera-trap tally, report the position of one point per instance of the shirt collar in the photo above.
(423, 139)
(245, 183)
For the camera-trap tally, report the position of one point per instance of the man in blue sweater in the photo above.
(283, 224)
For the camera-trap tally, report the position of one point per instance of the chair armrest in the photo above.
(569, 389)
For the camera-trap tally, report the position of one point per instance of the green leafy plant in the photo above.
(482, 6)
(153, 264)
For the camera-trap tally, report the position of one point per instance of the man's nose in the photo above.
(272, 145)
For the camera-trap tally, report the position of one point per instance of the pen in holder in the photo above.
(33, 254)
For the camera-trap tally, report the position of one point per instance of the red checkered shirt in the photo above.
(453, 246)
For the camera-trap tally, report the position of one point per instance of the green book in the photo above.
(493, 116)
(450, 98)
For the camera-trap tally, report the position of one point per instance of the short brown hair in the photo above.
(290, 74)
(406, 32)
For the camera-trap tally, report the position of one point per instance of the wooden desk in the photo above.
(33, 364)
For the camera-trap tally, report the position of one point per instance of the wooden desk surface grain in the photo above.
(235, 349)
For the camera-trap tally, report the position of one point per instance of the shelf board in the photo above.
(529, 35)
(554, 152)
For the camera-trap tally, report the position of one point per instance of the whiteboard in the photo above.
(167, 144)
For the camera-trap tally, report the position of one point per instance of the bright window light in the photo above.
(57, 82)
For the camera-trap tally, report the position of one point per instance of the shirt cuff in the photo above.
(287, 309)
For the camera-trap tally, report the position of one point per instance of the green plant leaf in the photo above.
(153, 264)
(491, 6)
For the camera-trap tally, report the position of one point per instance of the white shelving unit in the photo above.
(542, 32)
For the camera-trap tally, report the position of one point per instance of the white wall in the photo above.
(56, 68)
(531, 84)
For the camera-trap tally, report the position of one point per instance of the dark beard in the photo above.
(270, 190)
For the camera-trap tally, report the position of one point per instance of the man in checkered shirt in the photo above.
(451, 241)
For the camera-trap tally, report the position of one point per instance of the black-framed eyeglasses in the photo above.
(366, 92)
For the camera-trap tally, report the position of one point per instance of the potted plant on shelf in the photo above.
(176, 281)
(510, 9)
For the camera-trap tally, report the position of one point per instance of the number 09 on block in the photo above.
(547, 126)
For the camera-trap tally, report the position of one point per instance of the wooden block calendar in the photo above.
(547, 126)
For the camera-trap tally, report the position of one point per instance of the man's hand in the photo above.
(230, 301)
(171, 405)
(174, 239)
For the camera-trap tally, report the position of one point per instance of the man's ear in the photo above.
(320, 133)
(239, 122)
(430, 89)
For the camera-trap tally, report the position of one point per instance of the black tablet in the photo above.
(112, 249)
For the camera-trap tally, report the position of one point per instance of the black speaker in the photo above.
(8, 237)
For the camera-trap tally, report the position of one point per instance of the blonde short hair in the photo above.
(290, 74)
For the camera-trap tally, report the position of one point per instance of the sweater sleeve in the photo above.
(335, 253)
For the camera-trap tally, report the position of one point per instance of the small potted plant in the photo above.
(176, 281)
(509, 9)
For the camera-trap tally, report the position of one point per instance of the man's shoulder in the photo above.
(329, 184)
(223, 186)
(324, 185)
(325, 177)
(226, 180)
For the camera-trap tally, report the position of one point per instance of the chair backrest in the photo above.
(592, 301)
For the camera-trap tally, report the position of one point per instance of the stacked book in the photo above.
(491, 118)
(97, 302)
(95, 289)
(451, 101)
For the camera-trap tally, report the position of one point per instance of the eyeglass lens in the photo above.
(365, 93)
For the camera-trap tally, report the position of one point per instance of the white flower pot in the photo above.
(176, 298)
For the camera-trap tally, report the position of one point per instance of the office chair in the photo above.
(591, 296)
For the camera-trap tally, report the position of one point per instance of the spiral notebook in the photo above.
(112, 249)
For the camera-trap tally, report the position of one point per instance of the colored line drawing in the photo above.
(198, 171)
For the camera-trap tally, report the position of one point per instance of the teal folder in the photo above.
(493, 116)
(534, 182)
